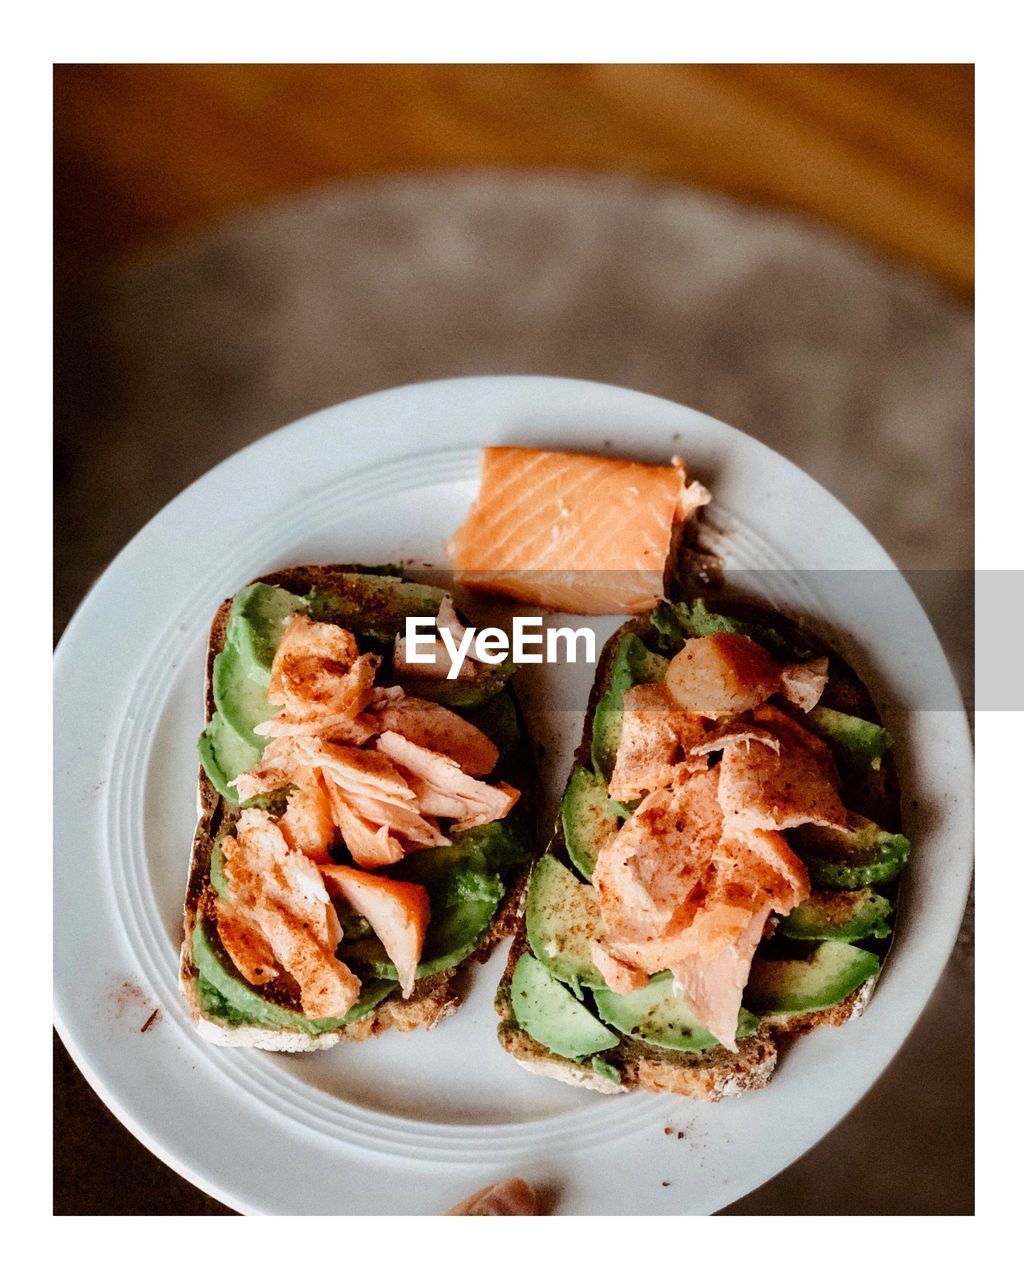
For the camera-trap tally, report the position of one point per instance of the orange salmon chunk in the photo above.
(571, 532)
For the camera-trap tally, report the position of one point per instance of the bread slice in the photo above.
(714, 1073)
(433, 998)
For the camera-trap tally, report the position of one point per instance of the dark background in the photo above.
(236, 246)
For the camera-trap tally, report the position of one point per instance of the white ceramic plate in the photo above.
(411, 1123)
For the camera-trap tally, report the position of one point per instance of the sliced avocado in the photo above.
(827, 976)
(214, 1004)
(241, 696)
(660, 1016)
(224, 755)
(553, 1016)
(259, 615)
(241, 672)
(465, 887)
(851, 859)
(374, 605)
(563, 917)
(605, 1068)
(589, 817)
(217, 881)
(241, 1003)
(677, 622)
(862, 741)
(845, 917)
(633, 664)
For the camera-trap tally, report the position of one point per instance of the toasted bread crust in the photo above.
(714, 1073)
(432, 999)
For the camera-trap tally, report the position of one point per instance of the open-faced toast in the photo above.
(815, 966)
(472, 883)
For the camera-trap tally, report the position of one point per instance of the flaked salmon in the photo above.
(803, 683)
(726, 674)
(278, 894)
(307, 823)
(620, 975)
(571, 532)
(318, 678)
(655, 738)
(750, 880)
(277, 767)
(434, 727)
(375, 808)
(375, 766)
(713, 980)
(785, 780)
(398, 913)
(677, 893)
(649, 873)
(442, 789)
(247, 947)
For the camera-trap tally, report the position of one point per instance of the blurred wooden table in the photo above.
(881, 152)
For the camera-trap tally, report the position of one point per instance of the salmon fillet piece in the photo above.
(656, 736)
(751, 879)
(677, 893)
(247, 947)
(713, 982)
(398, 913)
(621, 976)
(438, 661)
(785, 778)
(278, 895)
(375, 808)
(430, 725)
(318, 678)
(726, 674)
(647, 874)
(442, 789)
(511, 1198)
(307, 823)
(689, 881)
(573, 533)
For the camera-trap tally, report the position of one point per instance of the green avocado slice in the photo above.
(832, 972)
(241, 697)
(563, 917)
(589, 818)
(374, 605)
(844, 916)
(224, 754)
(633, 664)
(242, 1004)
(862, 741)
(853, 859)
(677, 622)
(241, 672)
(217, 882)
(259, 615)
(553, 1016)
(657, 1014)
